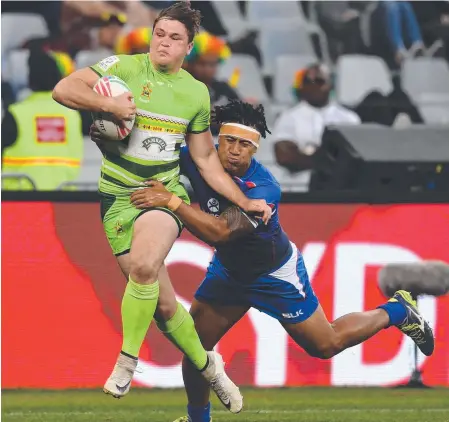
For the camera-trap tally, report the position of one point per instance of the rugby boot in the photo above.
(227, 392)
(119, 382)
(186, 419)
(414, 324)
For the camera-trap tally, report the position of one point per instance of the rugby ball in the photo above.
(111, 86)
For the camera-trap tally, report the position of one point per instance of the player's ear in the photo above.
(189, 48)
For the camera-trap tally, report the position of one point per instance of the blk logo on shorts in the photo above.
(291, 315)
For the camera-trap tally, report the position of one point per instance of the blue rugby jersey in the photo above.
(265, 249)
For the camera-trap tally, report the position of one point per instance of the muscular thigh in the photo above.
(213, 321)
(153, 236)
(313, 333)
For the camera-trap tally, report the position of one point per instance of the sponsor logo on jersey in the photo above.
(146, 93)
(293, 315)
(154, 143)
(213, 205)
(106, 63)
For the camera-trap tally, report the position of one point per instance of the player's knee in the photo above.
(143, 272)
(325, 350)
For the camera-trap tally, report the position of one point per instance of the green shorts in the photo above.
(119, 215)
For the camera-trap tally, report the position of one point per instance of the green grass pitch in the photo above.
(277, 405)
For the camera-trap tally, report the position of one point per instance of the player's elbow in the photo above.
(58, 92)
(221, 235)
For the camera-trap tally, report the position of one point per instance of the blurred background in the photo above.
(356, 93)
(356, 96)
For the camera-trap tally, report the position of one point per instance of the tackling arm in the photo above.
(205, 156)
(231, 225)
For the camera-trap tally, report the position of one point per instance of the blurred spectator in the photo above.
(41, 138)
(341, 23)
(297, 133)
(136, 41)
(207, 53)
(402, 24)
(84, 35)
(433, 17)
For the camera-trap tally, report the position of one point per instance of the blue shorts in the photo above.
(284, 294)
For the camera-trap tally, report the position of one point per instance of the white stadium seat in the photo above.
(20, 27)
(18, 72)
(276, 40)
(425, 78)
(250, 83)
(86, 58)
(258, 11)
(359, 75)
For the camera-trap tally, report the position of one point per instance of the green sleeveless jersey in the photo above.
(168, 107)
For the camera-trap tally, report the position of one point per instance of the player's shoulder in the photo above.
(263, 180)
(193, 83)
(131, 62)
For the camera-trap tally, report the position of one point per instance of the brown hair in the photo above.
(183, 13)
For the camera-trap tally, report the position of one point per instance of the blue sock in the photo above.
(396, 311)
(199, 414)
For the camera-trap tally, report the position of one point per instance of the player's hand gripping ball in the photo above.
(117, 124)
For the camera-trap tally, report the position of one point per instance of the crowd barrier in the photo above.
(61, 294)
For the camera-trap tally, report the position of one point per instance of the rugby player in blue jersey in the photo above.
(256, 265)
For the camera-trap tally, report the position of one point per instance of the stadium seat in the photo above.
(298, 182)
(272, 113)
(236, 28)
(86, 58)
(426, 78)
(92, 155)
(250, 83)
(265, 152)
(231, 18)
(20, 27)
(286, 67)
(227, 9)
(90, 168)
(359, 75)
(23, 94)
(258, 11)
(17, 63)
(435, 113)
(276, 40)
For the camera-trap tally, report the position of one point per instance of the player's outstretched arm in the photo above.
(76, 92)
(230, 225)
(205, 156)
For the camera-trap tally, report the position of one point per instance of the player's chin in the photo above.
(232, 166)
(164, 59)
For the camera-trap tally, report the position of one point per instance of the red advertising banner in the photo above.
(61, 294)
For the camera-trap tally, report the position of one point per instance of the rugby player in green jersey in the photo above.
(170, 107)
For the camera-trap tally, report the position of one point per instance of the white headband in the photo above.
(254, 141)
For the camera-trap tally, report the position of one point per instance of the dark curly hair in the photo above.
(237, 111)
(183, 13)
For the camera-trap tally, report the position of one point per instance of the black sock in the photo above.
(128, 355)
(205, 366)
